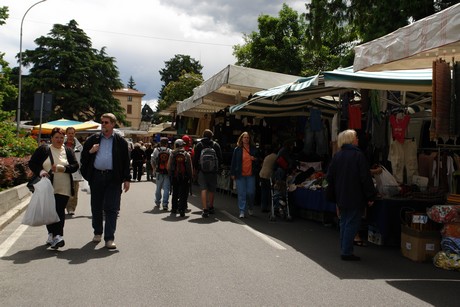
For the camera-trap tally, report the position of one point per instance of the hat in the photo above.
(164, 139)
(186, 138)
(179, 143)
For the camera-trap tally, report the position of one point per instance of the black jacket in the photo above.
(43, 152)
(120, 156)
(351, 179)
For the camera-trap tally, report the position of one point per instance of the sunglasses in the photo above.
(105, 122)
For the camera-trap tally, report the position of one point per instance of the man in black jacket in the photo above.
(105, 165)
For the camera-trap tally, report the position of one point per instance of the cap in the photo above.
(186, 138)
(163, 138)
(179, 143)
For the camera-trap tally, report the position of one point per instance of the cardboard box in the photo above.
(419, 245)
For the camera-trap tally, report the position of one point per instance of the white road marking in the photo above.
(260, 235)
(6, 245)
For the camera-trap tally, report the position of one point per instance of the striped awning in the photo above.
(415, 80)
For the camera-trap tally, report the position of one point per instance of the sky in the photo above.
(143, 34)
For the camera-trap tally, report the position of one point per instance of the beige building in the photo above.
(131, 101)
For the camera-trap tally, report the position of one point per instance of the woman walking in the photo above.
(57, 162)
(243, 170)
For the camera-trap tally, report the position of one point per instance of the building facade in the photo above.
(131, 101)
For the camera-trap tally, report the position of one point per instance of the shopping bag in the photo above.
(42, 207)
(386, 183)
(32, 181)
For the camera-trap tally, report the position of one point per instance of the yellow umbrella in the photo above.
(64, 124)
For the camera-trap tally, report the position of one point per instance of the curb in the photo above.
(8, 217)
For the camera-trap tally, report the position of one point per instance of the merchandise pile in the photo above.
(449, 215)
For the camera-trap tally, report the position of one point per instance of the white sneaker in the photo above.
(71, 212)
(250, 213)
(241, 215)
(49, 241)
(58, 241)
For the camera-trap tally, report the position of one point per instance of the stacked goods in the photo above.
(449, 215)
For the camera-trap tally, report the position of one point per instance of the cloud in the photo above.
(142, 34)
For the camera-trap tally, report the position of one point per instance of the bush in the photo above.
(14, 171)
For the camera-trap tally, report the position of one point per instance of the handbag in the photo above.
(42, 207)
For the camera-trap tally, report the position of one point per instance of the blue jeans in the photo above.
(105, 197)
(246, 190)
(350, 221)
(163, 183)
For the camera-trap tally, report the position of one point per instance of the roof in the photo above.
(414, 46)
(228, 87)
(128, 91)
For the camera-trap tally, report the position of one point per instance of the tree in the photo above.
(329, 37)
(80, 77)
(175, 68)
(10, 144)
(179, 90)
(277, 46)
(131, 83)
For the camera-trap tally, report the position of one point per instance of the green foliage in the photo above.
(277, 46)
(175, 68)
(80, 77)
(180, 89)
(131, 83)
(10, 145)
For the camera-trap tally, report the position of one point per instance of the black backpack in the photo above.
(209, 163)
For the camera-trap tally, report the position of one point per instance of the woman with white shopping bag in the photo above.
(57, 163)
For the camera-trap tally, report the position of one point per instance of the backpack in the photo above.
(162, 161)
(178, 168)
(208, 160)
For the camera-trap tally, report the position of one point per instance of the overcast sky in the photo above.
(142, 34)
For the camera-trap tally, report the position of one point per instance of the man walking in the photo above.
(105, 165)
(206, 160)
(160, 159)
(72, 142)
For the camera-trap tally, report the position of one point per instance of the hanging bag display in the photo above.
(42, 207)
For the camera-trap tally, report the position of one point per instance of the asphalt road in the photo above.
(219, 261)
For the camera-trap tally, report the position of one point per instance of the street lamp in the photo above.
(18, 115)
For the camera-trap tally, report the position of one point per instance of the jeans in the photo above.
(163, 183)
(246, 189)
(350, 221)
(105, 198)
(265, 194)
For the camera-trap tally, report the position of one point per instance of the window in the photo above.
(130, 98)
(130, 109)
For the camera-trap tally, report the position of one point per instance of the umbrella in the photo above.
(64, 124)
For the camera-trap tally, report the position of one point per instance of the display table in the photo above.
(312, 205)
(386, 216)
(311, 199)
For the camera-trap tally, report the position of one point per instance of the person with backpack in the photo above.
(160, 158)
(181, 172)
(206, 160)
(243, 169)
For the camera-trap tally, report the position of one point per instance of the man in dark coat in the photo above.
(105, 165)
(352, 187)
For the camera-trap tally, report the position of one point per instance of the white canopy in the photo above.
(414, 46)
(230, 86)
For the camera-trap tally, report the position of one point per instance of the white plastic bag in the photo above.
(42, 206)
(386, 183)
